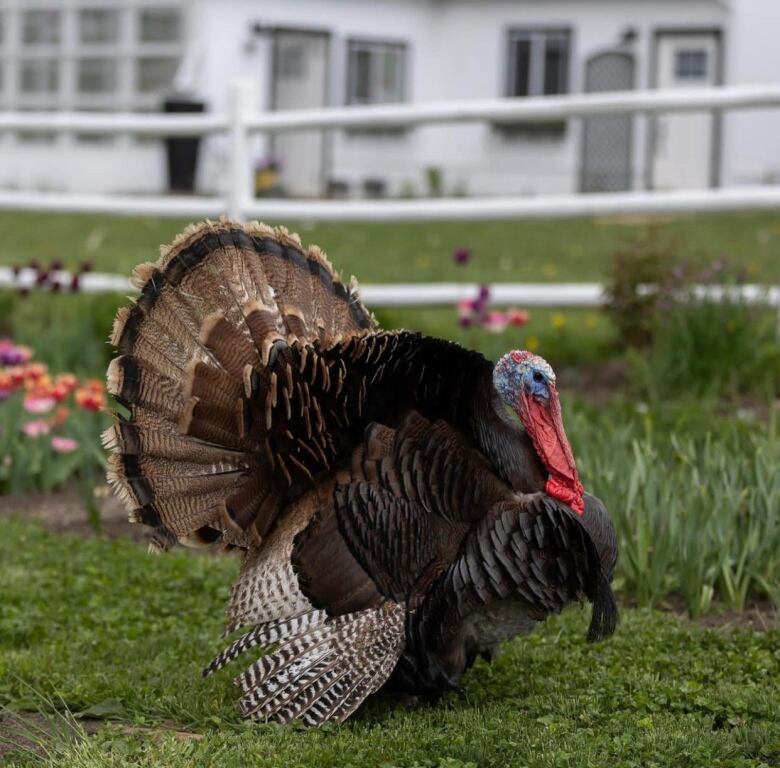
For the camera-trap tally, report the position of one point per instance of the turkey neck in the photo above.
(505, 442)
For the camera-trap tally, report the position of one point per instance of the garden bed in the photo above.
(62, 511)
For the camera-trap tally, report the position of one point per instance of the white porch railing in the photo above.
(239, 123)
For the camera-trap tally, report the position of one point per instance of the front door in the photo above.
(607, 146)
(300, 77)
(683, 144)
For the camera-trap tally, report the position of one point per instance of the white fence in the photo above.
(240, 122)
(558, 295)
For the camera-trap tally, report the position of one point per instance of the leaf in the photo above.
(108, 709)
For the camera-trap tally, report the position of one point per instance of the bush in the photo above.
(683, 343)
(638, 274)
(711, 348)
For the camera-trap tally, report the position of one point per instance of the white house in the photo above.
(128, 54)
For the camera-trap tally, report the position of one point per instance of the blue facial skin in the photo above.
(536, 384)
(532, 376)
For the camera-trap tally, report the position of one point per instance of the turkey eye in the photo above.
(538, 376)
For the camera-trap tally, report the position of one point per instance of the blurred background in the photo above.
(596, 181)
(111, 56)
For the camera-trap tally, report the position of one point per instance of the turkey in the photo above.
(402, 505)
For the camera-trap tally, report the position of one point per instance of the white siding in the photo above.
(456, 49)
(752, 138)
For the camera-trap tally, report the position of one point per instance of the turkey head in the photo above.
(526, 384)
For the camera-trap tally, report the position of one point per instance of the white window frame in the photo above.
(355, 45)
(537, 36)
(126, 51)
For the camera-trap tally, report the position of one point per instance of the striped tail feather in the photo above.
(323, 668)
(208, 315)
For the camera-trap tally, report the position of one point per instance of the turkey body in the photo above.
(397, 518)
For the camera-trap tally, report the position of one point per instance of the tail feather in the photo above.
(323, 669)
(268, 633)
(205, 325)
(604, 618)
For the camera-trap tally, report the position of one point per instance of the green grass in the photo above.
(546, 251)
(101, 627)
(71, 331)
(502, 251)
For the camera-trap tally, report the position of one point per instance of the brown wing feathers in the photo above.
(202, 333)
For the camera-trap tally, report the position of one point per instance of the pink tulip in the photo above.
(465, 308)
(38, 404)
(64, 444)
(36, 428)
(495, 321)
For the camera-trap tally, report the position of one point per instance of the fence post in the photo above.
(240, 176)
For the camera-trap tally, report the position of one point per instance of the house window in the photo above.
(375, 72)
(96, 76)
(91, 55)
(160, 25)
(155, 74)
(98, 26)
(538, 62)
(38, 77)
(41, 27)
(690, 64)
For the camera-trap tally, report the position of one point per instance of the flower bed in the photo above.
(51, 425)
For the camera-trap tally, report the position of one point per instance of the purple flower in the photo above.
(465, 321)
(461, 256)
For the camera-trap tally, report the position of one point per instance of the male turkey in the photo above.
(403, 505)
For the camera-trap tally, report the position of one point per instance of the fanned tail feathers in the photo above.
(322, 669)
(208, 316)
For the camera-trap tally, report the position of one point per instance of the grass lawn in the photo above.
(100, 627)
(508, 251)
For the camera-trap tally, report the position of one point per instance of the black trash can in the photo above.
(182, 151)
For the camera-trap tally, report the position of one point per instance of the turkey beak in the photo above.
(544, 401)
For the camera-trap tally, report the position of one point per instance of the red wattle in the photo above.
(544, 424)
(566, 494)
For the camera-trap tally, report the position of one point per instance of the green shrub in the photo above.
(682, 343)
(711, 347)
(645, 261)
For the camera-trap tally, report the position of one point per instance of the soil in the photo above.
(29, 732)
(759, 615)
(63, 512)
